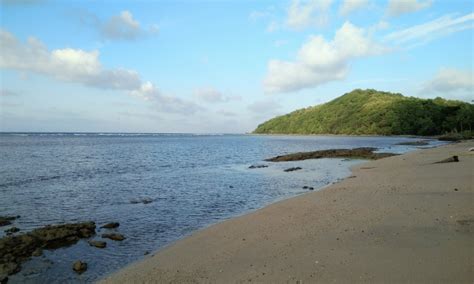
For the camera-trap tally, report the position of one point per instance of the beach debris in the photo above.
(114, 236)
(14, 250)
(293, 169)
(97, 244)
(12, 230)
(144, 200)
(111, 225)
(449, 160)
(414, 143)
(471, 149)
(258, 166)
(79, 267)
(356, 153)
(455, 189)
(6, 220)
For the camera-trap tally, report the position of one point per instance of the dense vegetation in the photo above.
(374, 112)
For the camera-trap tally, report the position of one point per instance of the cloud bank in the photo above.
(320, 61)
(399, 7)
(449, 80)
(83, 67)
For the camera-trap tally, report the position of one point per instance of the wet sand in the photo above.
(401, 219)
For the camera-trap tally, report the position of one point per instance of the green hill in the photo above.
(369, 111)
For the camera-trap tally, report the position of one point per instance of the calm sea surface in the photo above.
(191, 181)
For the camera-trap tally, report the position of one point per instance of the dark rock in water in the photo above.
(305, 187)
(111, 225)
(79, 267)
(414, 143)
(114, 236)
(6, 220)
(356, 153)
(144, 200)
(146, 253)
(97, 244)
(12, 230)
(449, 160)
(14, 250)
(311, 188)
(293, 169)
(258, 166)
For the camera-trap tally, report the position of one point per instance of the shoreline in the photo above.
(399, 219)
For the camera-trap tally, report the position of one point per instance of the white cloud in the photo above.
(450, 80)
(308, 13)
(320, 61)
(8, 93)
(349, 6)
(71, 65)
(426, 32)
(398, 7)
(124, 27)
(83, 67)
(264, 107)
(273, 26)
(164, 103)
(211, 95)
(118, 27)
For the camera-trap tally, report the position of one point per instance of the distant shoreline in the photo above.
(398, 219)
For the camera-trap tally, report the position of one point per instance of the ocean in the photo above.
(159, 187)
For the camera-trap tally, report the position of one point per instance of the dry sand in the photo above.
(401, 219)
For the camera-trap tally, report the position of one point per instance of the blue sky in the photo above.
(220, 66)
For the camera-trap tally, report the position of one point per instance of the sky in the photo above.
(219, 66)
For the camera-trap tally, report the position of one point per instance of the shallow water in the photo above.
(192, 180)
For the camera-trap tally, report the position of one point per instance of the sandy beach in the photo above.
(402, 219)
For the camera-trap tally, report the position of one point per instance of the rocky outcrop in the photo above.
(292, 169)
(414, 143)
(356, 153)
(111, 225)
(7, 220)
(79, 267)
(258, 166)
(14, 250)
(114, 236)
(97, 244)
(449, 160)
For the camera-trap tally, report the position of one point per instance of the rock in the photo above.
(146, 253)
(144, 200)
(14, 250)
(305, 187)
(293, 169)
(471, 149)
(3, 279)
(114, 236)
(414, 143)
(98, 244)
(37, 252)
(258, 166)
(311, 188)
(79, 267)
(356, 153)
(111, 225)
(12, 230)
(449, 160)
(6, 220)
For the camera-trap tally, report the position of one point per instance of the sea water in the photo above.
(159, 187)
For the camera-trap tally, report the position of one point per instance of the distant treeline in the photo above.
(363, 112)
